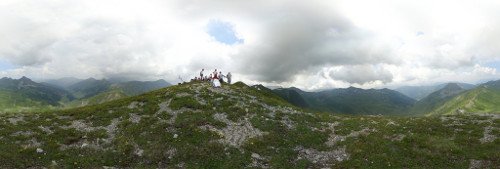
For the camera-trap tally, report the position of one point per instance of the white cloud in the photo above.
(362, 74)
(289, 43)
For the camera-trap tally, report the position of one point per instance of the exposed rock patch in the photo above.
(184, 94)
(487, 136)
(171, 153)
(22, 133)
(222, 118)
(258, 161)
(391, 123)
(135, 105)
(63, 117)
(79, 125)
(84, 143)
(134, 118)
(138, 151)
(46, 129)
(164, 107)
(323, 158)
(477, 164)
(334, 138)
(32, 143)
(15, 120)
(287, 122)
(111, 129)
(395, 137)
(234, 134)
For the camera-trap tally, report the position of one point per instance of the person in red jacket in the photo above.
(215, 74)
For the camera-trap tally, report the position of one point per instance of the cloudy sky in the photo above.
(310, 44)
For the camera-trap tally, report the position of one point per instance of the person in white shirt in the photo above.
(201, 74)
(228, 76)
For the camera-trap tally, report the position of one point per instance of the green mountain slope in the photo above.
(351, 101)
(109, 95)
(26, 95)
(196, 126)
(436, 99)
(132, 88)
(89, 87)
(93, 91)
(483, 99)
(23, 93)
(292, 96)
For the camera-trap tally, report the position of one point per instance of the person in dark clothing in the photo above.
(221, 77)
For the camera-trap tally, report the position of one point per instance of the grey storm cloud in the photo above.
(362, 74)
(300, 35)
(289, 51)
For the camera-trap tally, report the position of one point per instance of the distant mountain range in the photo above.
(419, 92)
(448, 98)
(350, 100)
(23, 94)
(62, 82)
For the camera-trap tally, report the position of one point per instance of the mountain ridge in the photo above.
(350, 100)
(23, 94)
(483, 99)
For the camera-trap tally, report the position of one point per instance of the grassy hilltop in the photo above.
(196, 126)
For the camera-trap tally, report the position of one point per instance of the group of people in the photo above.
(213, 77)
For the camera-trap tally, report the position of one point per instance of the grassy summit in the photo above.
(196, 126)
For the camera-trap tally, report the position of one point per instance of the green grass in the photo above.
(110, 95)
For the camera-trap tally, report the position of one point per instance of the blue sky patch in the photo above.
(223, 32)
(5, 65)
(494, 64)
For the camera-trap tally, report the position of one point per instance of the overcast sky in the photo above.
(310, 44)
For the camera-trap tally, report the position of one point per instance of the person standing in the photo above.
(228, 76)
(221, 77)
(201, 74)
(215, 74)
